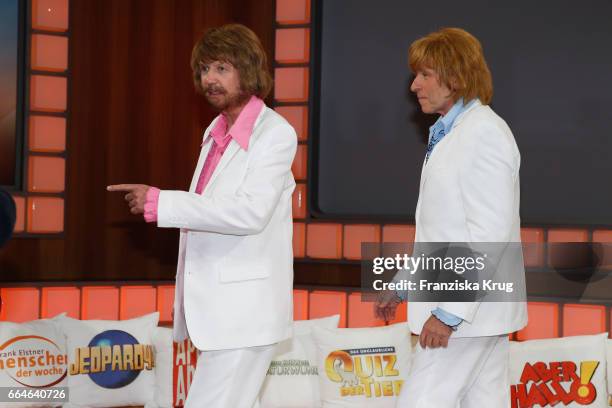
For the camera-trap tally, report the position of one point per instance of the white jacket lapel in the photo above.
(456, 124)
(228, 155)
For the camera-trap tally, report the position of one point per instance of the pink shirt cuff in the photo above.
(150, 207)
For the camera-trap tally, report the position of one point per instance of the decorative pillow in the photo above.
(162, 343)
(32, 355)
(185, 361)
(292, 380)
(110, 362)
(568, 371)
(362, 367)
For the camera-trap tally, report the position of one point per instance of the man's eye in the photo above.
(204, 68)
(221, 68)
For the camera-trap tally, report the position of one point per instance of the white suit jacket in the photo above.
(234, 277)
(469, 192)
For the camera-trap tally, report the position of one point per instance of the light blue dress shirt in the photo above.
(436, 133)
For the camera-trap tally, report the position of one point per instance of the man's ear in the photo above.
(454, 84)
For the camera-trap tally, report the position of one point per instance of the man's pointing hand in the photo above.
(136, 195)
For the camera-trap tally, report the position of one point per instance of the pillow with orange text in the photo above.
(563, 372)
(363, 367)
(33, 359)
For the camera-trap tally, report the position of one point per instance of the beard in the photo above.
(220, 99)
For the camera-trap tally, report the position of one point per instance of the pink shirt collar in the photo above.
(242, 129)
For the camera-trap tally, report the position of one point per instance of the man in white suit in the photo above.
(235, 267)
(469, 193)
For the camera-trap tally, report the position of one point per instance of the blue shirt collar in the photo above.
(448, 119)
(445, 123)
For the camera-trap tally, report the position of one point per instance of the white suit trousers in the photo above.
(230, 378)
(472, 372)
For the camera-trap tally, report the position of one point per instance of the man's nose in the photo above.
(208, 78)
(414, 86)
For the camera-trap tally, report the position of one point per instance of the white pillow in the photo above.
(363, 367)
(292, 380)
(162, 343)
(32, 354)
(118, 344)
(543, 369)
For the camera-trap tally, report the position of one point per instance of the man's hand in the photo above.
(434, 334)
(136, 195)
(386, 304)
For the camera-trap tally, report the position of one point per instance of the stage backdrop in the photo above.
(134, 118)
(551, 69)
(10, 84)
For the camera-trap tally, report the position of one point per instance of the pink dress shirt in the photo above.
(240, 131)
